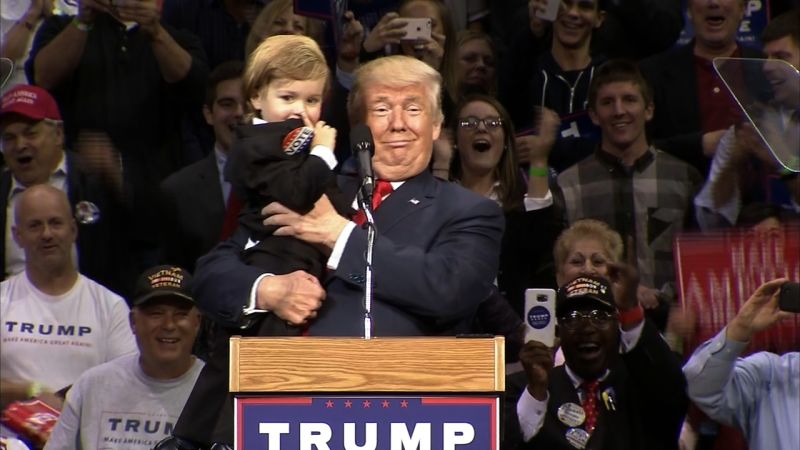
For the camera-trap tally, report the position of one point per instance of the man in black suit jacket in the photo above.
(599, 399)
(692, 105)
(194, 198)
(33, 146)
(436, 251)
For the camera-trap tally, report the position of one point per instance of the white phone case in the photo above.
(540, 316)
(417, 29)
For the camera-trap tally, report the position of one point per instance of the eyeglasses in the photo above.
(598, 318)
(472, 122)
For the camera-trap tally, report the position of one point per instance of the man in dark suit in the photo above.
(693, 108)
(33, 147)
(436, 251)
(621, 387)
(194, 197)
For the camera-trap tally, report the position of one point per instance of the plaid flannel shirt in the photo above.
(652, 200)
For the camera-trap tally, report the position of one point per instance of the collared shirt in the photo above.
(760, 394)
(651, 200)
(718, 109)
(222, 158)
(15, 256)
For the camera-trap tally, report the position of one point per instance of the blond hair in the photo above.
(599, 231)
(284, 57)
(394, 72)
(258, 31)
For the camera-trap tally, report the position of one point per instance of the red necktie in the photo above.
(382, 190)
(231, 220)
(590, 404)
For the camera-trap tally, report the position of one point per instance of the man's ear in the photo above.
(207, 115)
(593, 116)
(60, 135)
(15, 234)
(649, 110)
(132, 322)
(601, 17)
(437, 130)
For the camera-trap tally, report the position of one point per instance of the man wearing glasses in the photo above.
(620, 387)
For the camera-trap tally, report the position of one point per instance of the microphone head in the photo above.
(361, 139)
(298, 140)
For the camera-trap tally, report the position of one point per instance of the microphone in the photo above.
(363, 147)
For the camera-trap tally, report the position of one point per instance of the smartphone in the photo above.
(417, 29)
(540, 316)
(548, 10)
(789, 297)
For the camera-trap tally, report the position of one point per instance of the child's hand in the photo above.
(324, 135)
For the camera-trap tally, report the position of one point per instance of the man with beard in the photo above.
(620, 388)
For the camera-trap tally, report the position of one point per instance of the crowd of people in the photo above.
(176, 172)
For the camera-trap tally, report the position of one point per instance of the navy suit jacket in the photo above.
(435, 257)
(192, 211)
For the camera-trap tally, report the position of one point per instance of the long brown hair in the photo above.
(506, 173)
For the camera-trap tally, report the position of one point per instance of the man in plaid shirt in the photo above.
(642, 192)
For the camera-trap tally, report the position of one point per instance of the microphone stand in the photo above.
(368, 289)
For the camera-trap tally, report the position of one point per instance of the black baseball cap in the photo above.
(583, 290)
(161, 282)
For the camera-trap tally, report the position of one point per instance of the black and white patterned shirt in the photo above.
(652, 200)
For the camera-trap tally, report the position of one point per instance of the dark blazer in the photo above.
(649, 393)
(435, 257)
(103, 246)
(192, 211)
(676, 126)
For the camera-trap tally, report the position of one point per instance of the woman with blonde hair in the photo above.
(278, 17)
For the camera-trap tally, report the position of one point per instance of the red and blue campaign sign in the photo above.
(367, 423)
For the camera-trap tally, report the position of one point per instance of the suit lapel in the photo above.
(209, 185)
(413, 196)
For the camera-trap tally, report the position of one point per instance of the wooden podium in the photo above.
(383, 393)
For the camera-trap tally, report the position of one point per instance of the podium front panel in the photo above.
(374, 422)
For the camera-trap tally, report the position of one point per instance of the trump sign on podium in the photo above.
(367, 423)
(385, 393)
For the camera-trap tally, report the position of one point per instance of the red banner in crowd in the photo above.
(718, 272)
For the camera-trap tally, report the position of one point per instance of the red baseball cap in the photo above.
(29, 101)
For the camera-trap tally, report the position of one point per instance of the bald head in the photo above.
(42, 192)
(44, 227)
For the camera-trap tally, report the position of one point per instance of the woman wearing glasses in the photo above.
(483, 159)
